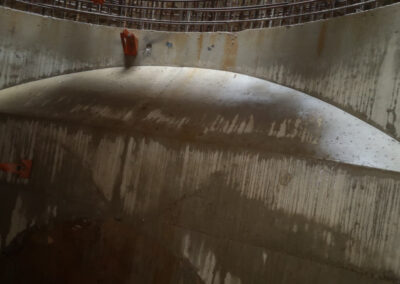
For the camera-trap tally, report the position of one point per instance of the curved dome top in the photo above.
(205, 106)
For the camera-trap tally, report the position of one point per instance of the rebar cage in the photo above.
(195, 15)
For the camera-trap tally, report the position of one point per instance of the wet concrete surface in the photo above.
(183, 175)
(112, 251)
(351, 62)
(205, 106)
(83, 251)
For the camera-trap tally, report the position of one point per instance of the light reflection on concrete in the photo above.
(214, 106)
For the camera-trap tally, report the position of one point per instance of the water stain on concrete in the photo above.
(321, 39)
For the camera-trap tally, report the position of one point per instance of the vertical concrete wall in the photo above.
(227, 211)
(352, 62)
(221, 183)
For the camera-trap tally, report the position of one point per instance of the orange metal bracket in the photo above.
(98, 2)
(23, 169)
(129, 43)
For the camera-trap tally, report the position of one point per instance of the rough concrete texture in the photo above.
(352, 62)
(192, 176)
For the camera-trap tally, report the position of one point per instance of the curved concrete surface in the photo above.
(351, 61)
(209, 107)
(193, 176)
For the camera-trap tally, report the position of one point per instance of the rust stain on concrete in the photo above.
(321, 39)
(213, 38)
(230, 52)
(180, 44)
(199, 45)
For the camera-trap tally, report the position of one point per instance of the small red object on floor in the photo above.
(129, 43)
(98, 2)
(23, 169)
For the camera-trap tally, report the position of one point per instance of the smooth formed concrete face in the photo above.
(352, 62)
(208, 106)
(220, 177)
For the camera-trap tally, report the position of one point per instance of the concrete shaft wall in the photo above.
(352, 62)
(206, 178)
(225, 176)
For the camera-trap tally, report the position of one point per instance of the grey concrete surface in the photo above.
(230, 175)
(351, 62)
(266, 116)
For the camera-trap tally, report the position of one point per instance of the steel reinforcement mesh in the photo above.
(195, 15)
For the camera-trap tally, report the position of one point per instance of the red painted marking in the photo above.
(23, 169)
(98, 2)
(129, 43)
